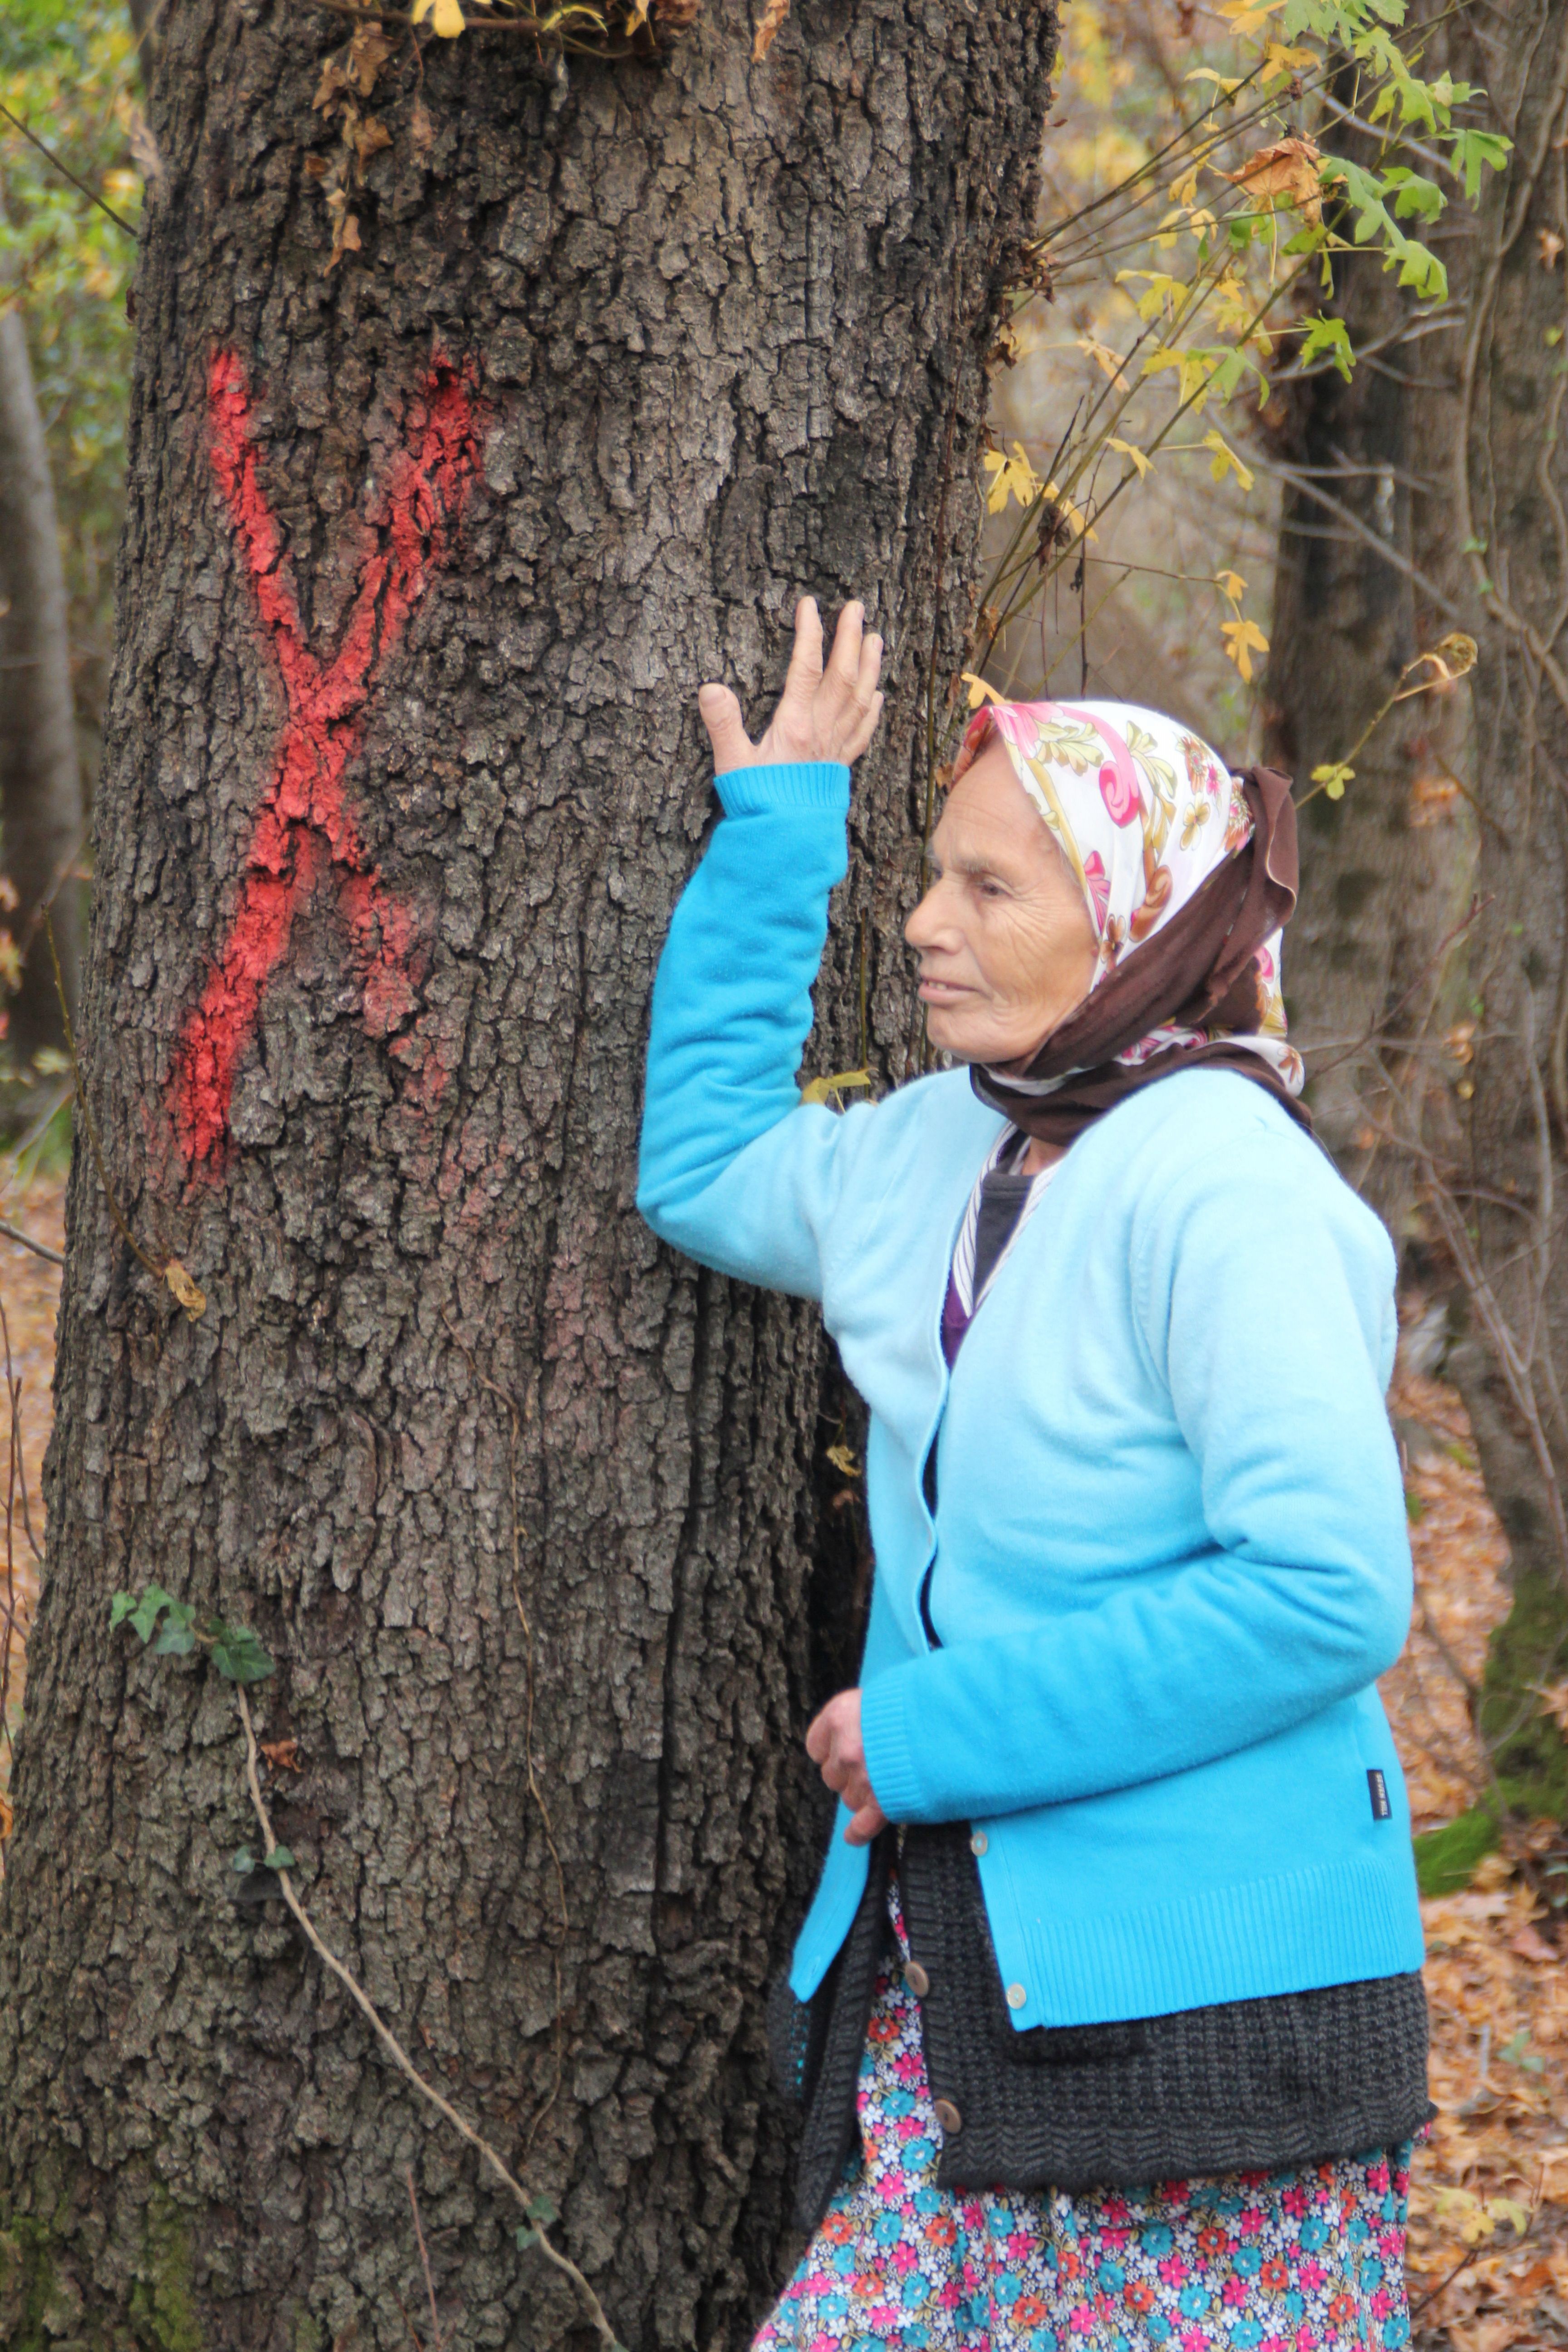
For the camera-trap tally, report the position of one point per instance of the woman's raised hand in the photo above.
(823, 714)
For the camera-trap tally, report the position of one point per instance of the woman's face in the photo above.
(1007, 947)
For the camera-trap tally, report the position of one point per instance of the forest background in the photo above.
(1231, 472)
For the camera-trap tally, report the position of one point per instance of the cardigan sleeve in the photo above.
(1264, 1304)
(734, 1168)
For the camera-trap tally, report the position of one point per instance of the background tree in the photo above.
(1362, 586)
(40, 786)
(1495, 1187)
(485, 400)
(65, 267)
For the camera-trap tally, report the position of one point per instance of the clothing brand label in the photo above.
(1378, 1786)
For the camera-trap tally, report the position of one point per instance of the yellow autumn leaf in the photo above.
(446, 16)
(1232, 584)
(1184, 190)
(1248, 17)
(1224, 460)
(1332, 777)
(841, 1082)
(1012, 476)
(843, 1460)
(1279, 59)
(1193, 372)
(1163, 292)
(1107, 360)
(1074, 516)
(1145, 465)
(1242, 640)
(979, 691)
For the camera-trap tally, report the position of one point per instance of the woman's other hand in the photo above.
(823, 714)
(833, 1744)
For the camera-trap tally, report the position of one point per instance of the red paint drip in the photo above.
(305, 831)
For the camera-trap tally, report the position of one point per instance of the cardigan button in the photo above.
(979, 1842)
(950, 2119)
(917, 1979)
(1016, 1996)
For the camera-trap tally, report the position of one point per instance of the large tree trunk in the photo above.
(40, 783)
(425, 554)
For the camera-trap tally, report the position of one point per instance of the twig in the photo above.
(395, 2051)
(12, 1391)
(39, 1249)
(1309, 488)
(1443, 2284)
(437, 2337)
(65, 170)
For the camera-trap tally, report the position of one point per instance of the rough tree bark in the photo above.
(426, 553)
(40, 782)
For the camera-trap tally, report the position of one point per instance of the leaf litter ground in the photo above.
(1488, 2248)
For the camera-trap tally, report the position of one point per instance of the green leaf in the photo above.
(120, 1609)
(244, 1862)
(525, 2238)
(1415, 198)
(279, 1859)
(1475, 152)
(1331, 337)
(177, 1640)
(147, 1610)
(238, 1655)
(542, 2211)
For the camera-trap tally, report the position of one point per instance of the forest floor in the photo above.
(1489, 2249)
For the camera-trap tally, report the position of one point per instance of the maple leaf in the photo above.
(1242, 640)
(1288, 169)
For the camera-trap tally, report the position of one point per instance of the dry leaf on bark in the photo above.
(190, 1296)
(366, 135)
(1287, 169)
(773, 16)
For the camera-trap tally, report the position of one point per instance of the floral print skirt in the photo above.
(1287, 2261)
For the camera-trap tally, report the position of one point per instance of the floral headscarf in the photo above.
(1189, 875)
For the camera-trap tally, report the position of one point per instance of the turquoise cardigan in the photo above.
(1169, 1555)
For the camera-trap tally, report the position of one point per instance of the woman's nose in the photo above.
(923, 925)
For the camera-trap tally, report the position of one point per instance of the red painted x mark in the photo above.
(305, 831)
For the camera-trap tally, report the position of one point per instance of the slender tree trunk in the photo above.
(427, 551)
(1385, 868)
(1499, 1195)
(40, 785)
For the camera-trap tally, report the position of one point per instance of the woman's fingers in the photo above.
(869, 1822)
(838, 681)
(804, 673)
(726, 729)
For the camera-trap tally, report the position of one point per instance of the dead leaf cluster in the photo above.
(347, 79)
(1489, 2231)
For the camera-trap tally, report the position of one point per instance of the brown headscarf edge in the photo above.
(1197, 969)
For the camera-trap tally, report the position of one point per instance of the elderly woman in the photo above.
(1106, 2015)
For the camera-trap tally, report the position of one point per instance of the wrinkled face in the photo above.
(1006, 944)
